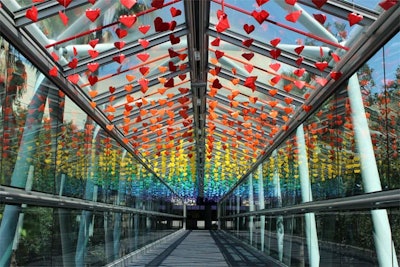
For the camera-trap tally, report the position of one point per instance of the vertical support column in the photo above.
(262, 205)
(306, 194)
(251, 207)
(184, 216)
(237, 213)
(370, 175)
(280, 229)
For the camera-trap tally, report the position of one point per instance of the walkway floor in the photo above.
(202, 248)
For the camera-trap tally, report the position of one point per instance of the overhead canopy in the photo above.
(199, 91)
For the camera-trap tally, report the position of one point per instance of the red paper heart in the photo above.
(248, 42)
(299, 72)
(172, 25)
(121, 33)
(335, 75)
(275, 41)
(248, 67)
(73, 63)
(144, 43)
(175, 12)
(172, 53)
(319, 3)
(92, 14)
(299, 61)
(291, 2)
(275, 66)
(74, 78)
(248, 56)
(160, 25)
(111, 89)
(248, 28)
(300, 84)
(261, 2)
(143, 56)
(172, 67)
(260, 16)
(63, 17)
(275, 53)
(354, 18)
(119, 44)
(274, 81)
(64, 3)
(250, 82)
(120, 58)
(144, 28)
(53, 71)
(321, 81)
(173, 39)
(144, 70)
(93, 66)
(93, 42)
(182, 77)
(299, 49)
(128, 21)
(293, 16)
(388, 4)
(157, 3)
(32, 14)
(321, 18)
(93, 53)
(321, 65)
(216, 84)
(216, 41)
(219, 54)
(128, 3)
(169, 83)
(92, 80)
(223, 23)
(335, 57)
(92, 1)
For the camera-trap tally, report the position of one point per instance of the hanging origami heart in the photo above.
(261, 2)
(175, 12)
(248, 42)
(216, 84)
(250, 82)
(248, 67)
(119, 44)
(172, 53)
(162, 69)
(73, 63)
(143, 56)
(121, 33)
(144, 43)
(300, 84)
(260, 16)
(299, 61)
(53, 71)
(219, 54)
(92, 1)
(93, 42)
(144, 28)
(321, 65)
(275, 80)
(275, 66)
(273, 92)
(275, 53)
(92, 14)
(93, 66)
(299, 72)
(93, 93)
(160, 25)
(92, 80)
(63, 17)
(335, 57)
(388, 4)
(128, 20)
(354, 18)
(223, 22)
(293, 16)
(319, 3)
(172, 25)
(157, 3)
(173, 39)
(216, 41)
(93, 53)
(248, 28)
(129, 77)
(335, 75)
(111, 89)
(129, 98)
(128, 87)
(291, 2)
(248, 56)
(162, 90)
(299, 49)
(275, 42)
(32, 14)
(321, 81)
(74, 78)
(110, 127)
(128, 3)
(120, 58)
(321, 18)
(64, 3)
(144, 70)
(169, 83)
(288, 100)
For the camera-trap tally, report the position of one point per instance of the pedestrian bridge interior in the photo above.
(128, 127)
